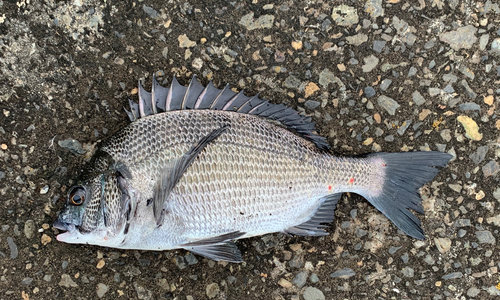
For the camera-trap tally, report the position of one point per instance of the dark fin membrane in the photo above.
(175, 96)
(323, 215)
(217, 248)
(159, 95)
(405, 173)
(174, 171)
(207, 97)
(145, 102)
(195, 96)
(193, 92)
(226, 251)
(133, 114)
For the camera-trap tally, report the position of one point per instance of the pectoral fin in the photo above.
(173, 173)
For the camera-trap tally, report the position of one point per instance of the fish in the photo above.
(199, 168)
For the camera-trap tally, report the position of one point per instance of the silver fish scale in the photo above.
(256, 177)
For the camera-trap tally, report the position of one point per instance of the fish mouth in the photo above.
(61, 225)
(69, 228)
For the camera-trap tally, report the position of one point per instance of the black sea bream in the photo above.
(199, 167)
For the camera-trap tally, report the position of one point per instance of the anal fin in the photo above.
(323, 215)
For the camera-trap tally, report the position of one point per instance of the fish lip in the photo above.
(61, 225)
(70, 231)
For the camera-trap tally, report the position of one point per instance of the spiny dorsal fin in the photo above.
(196, 96)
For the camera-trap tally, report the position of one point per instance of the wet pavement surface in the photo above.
(374, 75)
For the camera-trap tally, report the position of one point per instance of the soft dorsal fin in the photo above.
(196, 96)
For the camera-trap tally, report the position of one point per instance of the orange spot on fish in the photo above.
(329, 187)
(384, 165)
(351, 181)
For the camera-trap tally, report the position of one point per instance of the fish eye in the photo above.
(77, 196)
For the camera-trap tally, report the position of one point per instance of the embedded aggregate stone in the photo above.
(388, 104)
(463, 37)
(300, 279)
(378, 46)
(13, 248)
(370, 63)
(385, 84)
(344, 273)
(312, 104)
(345, 15)
(369, 91)
(417, 98)
(485, 237)
(478, 156)
(453, 275)
(72, 145)
(469, 106)
(312, 293)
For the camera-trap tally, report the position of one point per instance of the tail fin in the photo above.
(404, 173)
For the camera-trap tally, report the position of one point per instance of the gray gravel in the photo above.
(373, 75)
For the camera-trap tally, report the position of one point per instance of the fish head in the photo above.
(92, 212)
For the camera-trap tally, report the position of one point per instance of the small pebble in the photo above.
(473, 291)
(312, 293)
(312, 104)
(44, 190)
(13, 248)
(443, 244)
(478, 156)
(404, 126)
(469, 106)
(405, 257)
(378, 46)
(72, 145)
(314, 278)
(471, 128)
(66, 281)
(490, 169)
(212, 290)
(29, 229)
(412, 71)
(485, 237)
(385, 84)
(370, 63)
(300, 279)
(388, 104)
(417, 98)
(369, 91)
(344, 273)
(101, 290)
(408, 272)
(453, 275)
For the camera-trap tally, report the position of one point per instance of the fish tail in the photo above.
(403, 174)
